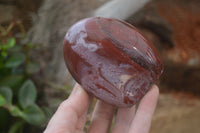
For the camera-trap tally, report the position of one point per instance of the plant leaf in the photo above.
(2, 100)
(10, 43)
(6, 92)
(27, 94)
(12, 81)
(16, 126)
(15, 111)
(4, 53)
(33, 115)
(30, 45)
(15, 60)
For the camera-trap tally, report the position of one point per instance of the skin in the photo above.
(70, 116)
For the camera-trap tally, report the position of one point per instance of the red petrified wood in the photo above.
(111, 59)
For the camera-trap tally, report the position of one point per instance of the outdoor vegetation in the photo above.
(18, 91)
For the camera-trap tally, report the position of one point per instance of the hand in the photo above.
(71, 115)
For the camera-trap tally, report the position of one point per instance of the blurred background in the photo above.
(34, 79)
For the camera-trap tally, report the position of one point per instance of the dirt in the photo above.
(176, 113)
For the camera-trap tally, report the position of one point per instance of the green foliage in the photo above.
(15, 111)
(16, 127)
(11, 81)
(18, 92)
(2, 100)
(15, 60)
(7, 94)
(33, 114)
(27, 94)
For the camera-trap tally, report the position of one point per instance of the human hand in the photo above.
(71, 115)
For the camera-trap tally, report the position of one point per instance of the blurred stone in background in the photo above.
(174, 27)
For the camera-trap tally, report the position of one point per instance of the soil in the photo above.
(176, 113)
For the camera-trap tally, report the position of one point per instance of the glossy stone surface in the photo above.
(111, 59)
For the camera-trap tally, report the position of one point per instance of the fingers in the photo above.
(71, 115)
(101, 118)
(143, 117)
(123, 120)
(70, 112)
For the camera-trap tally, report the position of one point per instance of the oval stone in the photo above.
(111, 59)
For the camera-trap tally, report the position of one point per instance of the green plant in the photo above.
(18, 92)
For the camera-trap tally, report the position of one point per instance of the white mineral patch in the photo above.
(124, 79)
(129, 93)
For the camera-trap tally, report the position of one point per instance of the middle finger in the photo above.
(123, 120)
(101, 118)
